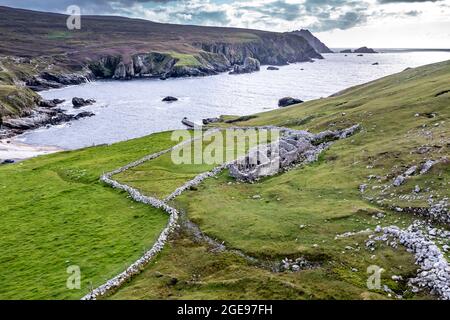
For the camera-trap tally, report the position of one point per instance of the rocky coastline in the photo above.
(45, 114)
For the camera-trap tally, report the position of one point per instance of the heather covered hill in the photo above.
(35, 34)
(38, 51)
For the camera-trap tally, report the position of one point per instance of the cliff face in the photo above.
(210, 58)
(318, 45)
(277, 49)
(157, 64)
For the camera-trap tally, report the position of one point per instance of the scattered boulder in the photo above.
(427, 166)
(288, 101)
(272, 68)
(8, 161)
(399, 180)
(80, 102)
(375, 64)
(170, 99)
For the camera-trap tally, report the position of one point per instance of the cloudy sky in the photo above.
(339, 23)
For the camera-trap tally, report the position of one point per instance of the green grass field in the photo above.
(56, 213)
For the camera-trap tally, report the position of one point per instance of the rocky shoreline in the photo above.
(39, 117)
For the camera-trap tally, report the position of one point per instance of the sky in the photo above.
(338, 23)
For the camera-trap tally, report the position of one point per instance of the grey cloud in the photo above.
(202, 17)
(344, 21)
(406, 1)
(87, 6)
(330, 14)
(277, 9)
(351, 14)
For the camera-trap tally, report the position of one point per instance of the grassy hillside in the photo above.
(46, 34)
(300, 212)
(55, 213)
(15, 100)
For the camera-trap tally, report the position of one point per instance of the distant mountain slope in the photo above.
(318, 45)
(33, 34)
(123, 48)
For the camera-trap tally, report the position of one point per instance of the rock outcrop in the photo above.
(41, 117)
(52, 80)
(268, 49)
(318, 45)
(288, 101)
(158, 65)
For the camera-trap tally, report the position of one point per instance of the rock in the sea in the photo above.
(47, 104)
(346, 51)
(288, 101)
(188, 123)
(375, 63)
(84, 114)
(250, 65)
(271, 68)
(170, 99)
(365, 50)
(210, 120)
(50, 103)
(80, 102)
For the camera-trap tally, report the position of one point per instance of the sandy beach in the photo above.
(15, 150)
